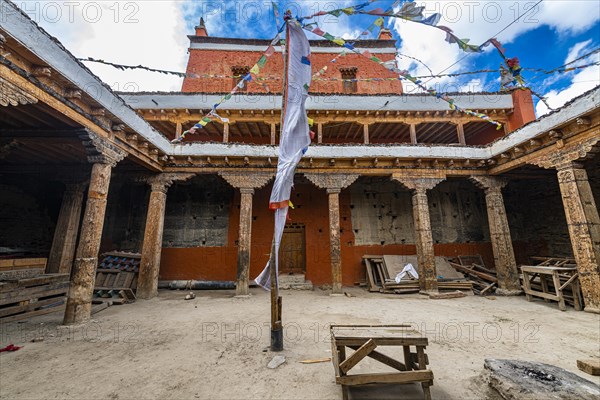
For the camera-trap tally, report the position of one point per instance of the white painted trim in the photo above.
(28, 34)
(579, 107)
(336, 152)
(315, 102)
(254, 48)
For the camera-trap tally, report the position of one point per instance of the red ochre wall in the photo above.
(219, 62)
(311, 209)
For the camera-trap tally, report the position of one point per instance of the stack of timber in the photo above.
(378, 279)
(116, 278)
(17, 268)
(24, 295)
(553, 279)
(484, 280)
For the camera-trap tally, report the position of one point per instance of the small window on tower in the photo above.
(349, 83)
(238, 73)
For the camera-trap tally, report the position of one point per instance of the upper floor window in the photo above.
(349, 83)
(238, 73)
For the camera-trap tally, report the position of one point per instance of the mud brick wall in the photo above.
(197, 213)
(125, 219)
(593, 169)
(28, 213)
(382, 213)
(536, 217)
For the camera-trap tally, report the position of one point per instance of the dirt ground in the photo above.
(214, 347)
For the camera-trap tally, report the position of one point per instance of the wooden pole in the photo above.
(276, 301)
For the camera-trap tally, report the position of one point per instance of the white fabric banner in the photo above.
(295, 135)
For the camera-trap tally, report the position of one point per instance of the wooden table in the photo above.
(364, 339)
(568, 274)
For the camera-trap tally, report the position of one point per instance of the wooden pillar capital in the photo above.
(247, 180)
(334, 183)
(567, 157)
(418, 184)
(100, 150)
(489, 183)
(162, 182)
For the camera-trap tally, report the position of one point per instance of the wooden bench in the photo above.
(562, 278)
(364, 339)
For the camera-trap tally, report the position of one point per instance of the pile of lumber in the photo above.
(18, 268)
(116, 278)
(28, 297)
(484, 280)
(378, 279)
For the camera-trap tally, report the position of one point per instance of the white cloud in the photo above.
(580, 83)
(577, 50)
(482, 20)
(149, 33)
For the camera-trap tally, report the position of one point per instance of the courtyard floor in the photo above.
(216, 346)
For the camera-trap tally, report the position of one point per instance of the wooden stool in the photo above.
(364, 339)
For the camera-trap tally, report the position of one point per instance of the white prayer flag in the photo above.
(295, 135)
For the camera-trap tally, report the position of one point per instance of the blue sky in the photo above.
(153, 33)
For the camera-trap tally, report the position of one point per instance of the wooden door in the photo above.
(292, 252)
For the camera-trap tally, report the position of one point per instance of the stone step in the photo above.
(306, 285)
(296, 278)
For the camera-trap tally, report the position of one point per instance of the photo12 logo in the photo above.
(75, 11)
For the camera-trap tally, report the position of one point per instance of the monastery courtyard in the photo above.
(216, 346)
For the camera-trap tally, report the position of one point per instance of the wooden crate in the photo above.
(25, 298)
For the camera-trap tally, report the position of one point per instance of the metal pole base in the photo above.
(277, 339)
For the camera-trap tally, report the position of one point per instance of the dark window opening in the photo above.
(350, 85)
(238, 73)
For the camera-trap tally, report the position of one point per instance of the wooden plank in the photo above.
(488, 287)
(42, 280)
(444, 296)
(128, 279)
(468, 260)
(99, 307)
(392, 377)
(559, 294)
(481, 275)
(35, 292)
(335, 358)
(548, 296)
(4, 312)
(370, 278)
(382, 358)
(358, 355)
(33, 314)
(590, 366)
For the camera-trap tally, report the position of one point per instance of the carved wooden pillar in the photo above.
(366, 133)
(273, 134)
(104, 157)
(334, 183)
(64, 243)
(460, 129)
(584, 228)
(413, 133)
(319, 133)
(246, 183)
(581, 212)
(226, 132)
(147, 286)
(423, 234)
(504, 256)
